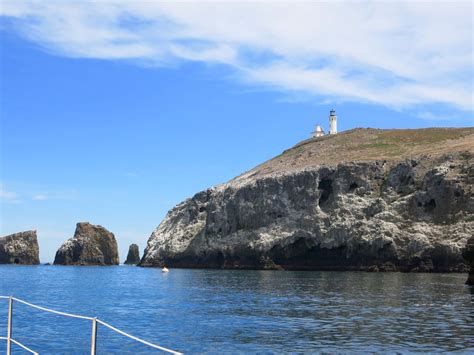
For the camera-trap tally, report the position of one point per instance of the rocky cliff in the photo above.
(133, 256)
(361, 200)
(91, 245)
(468, 254)
(19, 248)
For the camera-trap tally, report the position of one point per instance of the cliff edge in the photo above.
(365, 199)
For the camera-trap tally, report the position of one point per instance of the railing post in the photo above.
(9, 326)
(94, 335)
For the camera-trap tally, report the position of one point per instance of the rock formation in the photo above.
(133, 256)
(375, 200)
(468, 254)
(19, 248)
(91, 245)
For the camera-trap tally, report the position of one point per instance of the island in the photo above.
(364, 199)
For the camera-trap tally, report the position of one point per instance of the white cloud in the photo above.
(131, 174)
(440, 116)
(8, 196)
(57, 194)
(397, 54)
(29, 192)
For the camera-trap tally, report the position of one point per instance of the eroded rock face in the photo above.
(133, 256)
(91, 245)
(468, 254)
(19, 248)
(410, 215)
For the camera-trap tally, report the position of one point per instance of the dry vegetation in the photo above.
(367, 144)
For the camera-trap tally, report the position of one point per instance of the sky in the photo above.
(113, 112)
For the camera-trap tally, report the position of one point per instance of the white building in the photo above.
(319, 132)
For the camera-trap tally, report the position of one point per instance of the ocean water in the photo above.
(231, 311)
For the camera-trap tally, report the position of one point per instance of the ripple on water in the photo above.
(241, 311)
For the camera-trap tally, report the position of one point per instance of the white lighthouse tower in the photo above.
(332, 122)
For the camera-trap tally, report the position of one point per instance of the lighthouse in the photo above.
(319, 131)
(332, 122)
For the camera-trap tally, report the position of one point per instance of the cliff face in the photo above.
(298, 211)
(91, 245)
(19, 248)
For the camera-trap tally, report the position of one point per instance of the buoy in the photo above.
(165, 269)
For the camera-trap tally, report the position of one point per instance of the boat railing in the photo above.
(94, 324)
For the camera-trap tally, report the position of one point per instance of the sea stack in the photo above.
(468, 254)
(91, 245)
(133, 256)
(19, 248)
(365, 199)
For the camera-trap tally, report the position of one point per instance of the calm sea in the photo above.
(217, 311)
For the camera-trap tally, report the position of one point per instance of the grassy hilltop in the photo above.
(367, 144)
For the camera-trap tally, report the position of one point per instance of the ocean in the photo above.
(235, 311)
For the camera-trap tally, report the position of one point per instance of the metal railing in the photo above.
(95, 322)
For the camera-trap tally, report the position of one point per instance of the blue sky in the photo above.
(112, 113)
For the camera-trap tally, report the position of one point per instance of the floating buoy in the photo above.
(165, 269)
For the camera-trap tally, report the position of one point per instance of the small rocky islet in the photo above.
(20, 248)
(90, 245)
(133, 256)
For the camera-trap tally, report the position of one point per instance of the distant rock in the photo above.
(19, 248)
(133, 256)
(91, 245)
(369, 200)
(468, 254)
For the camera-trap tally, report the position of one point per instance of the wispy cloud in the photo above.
(396, 54)
(440, 116)
(131, 174)
(8, 196)
(56, 194)
(29, 192)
